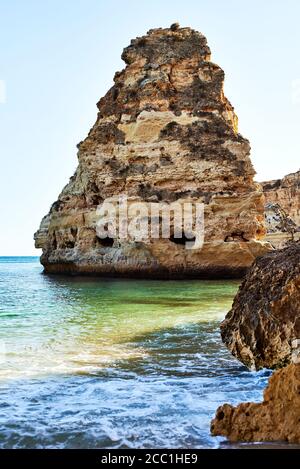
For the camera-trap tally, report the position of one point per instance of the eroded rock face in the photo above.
(277, 220)
(285, 192)
(277, 418)
(282, 210)
(281, 229)
(164, 132)
(265, 316)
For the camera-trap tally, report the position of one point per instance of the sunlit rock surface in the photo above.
(282, 210)
(277, 418)
(164, 132)
(286, 193)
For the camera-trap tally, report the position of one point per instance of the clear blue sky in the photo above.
(57, 58)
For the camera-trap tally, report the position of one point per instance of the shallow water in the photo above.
(93, 363)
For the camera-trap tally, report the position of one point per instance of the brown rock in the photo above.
(286, 193)
(277, 418)
(265, 316)
(164, 132)
(282, 210)
(281, 229)
(277, 220)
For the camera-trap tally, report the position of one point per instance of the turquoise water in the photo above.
(99, 363)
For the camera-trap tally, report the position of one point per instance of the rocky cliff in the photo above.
(265, 316)
(285, 192)
(164, 132)
(263, 330)
(277, 220)
(275, 419)
(282, 210)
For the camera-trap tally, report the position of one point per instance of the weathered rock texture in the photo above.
(164, 132)
(286, 193)
(282, 210)
(265, 316)
(281, 229)
(276, 219)
(277, 418)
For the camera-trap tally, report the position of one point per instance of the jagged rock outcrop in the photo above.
(282, 210)
(285, 192)
(164, 132)
(281, 229)
(276, 219)
(265, 316)
(277, 418)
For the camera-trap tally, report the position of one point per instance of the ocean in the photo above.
(107, 363)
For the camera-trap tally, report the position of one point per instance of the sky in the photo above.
(57, 58)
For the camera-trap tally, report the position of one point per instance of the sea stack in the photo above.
(164, 132)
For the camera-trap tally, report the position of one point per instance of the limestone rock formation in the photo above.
(282, 210)
(164, 132)
(277, 418)
(286, 193)
(277, 220)
(265, 316)
(281, 229)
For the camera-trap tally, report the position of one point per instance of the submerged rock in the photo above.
(165, 132)
(265, 316)
(277, 418)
